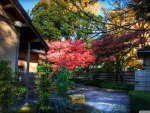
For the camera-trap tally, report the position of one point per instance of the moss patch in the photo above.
(26, 109)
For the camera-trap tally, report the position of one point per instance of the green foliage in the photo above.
(89, 43)
(53, 20)
(106, 84)
(63, 81)
(139, 100)
(10, 89)
(80, 70)
(105, 67)
(108, 67)
(44, 85)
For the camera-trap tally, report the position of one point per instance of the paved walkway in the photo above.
(104, 100)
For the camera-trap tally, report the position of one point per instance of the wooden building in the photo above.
(20, 42)
(18, 37)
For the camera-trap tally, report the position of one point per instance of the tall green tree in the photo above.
(55, 19)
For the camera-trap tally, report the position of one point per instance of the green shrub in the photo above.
(139, 100)
(44, 85)
(63, 81)
(10, 89)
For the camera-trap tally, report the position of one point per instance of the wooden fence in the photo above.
(128, 77)
(29, 81)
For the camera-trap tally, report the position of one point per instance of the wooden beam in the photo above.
(25, 25)
(8, 6)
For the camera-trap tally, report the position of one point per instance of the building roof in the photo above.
(27, 31)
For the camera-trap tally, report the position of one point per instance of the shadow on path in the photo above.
(105, 100)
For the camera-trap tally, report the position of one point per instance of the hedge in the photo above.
(117, 85)
(139, 100)
(106, 84)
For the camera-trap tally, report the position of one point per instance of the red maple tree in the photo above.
(113, 48)
(110, 47)
(70, 54)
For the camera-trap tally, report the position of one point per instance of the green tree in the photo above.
(56, 19)
(63, 81)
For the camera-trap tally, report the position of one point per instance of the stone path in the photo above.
(104, 100)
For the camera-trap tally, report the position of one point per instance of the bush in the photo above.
(139, 100)
(44, 85)
(10, 89)
(63, 81)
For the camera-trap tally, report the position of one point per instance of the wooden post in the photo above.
(27, 75)
(17, 52)
(18, 25)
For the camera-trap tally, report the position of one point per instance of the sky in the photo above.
(29, 4)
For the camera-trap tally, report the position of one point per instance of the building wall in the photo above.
(8, 40)
(22, 63)
(22, 66)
